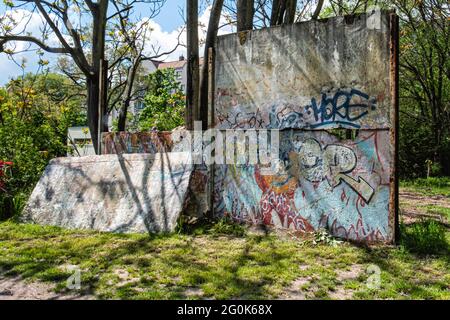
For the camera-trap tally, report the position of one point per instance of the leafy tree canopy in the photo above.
(164, 102)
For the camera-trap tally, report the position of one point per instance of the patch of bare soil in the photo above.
(18, 289)
(300, 289)
(304, 287)
(412, 206)
(193, 292)
(340, 292)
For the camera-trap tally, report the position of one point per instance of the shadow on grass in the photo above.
(167, 265)
(426, 237)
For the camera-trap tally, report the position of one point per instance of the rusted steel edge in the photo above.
(394, 88)
(211, 95)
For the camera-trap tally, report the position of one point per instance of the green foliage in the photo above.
(217, 266)
(164, 102)
(214, 227)
(425, 237)
(34, 116)
(431, 185)
(322, 236)
(432, 182)
(424, 88)
(132, 123)
(226, 226)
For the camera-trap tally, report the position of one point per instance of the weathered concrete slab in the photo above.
(313, 75)
(178, 140)
(119, 193)
(320, 182)
(305, 79)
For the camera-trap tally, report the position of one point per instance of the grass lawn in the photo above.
(224, 261)
(431, 186)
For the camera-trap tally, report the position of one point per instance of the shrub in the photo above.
(164, 102)
(424, 237)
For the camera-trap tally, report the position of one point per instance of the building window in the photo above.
(179, 74)
(139, 105)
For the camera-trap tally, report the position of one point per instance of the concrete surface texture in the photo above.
(119, 193)
(305, 79)
(315, 74)
(320, 182)
(178, 140)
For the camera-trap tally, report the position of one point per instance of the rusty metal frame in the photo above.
(394, 90)
(210, 124)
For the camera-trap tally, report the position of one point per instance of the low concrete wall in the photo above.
(119, 193)
(179, 140)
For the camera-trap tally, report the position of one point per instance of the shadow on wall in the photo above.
(119, 193)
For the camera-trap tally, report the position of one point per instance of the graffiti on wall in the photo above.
(139, 142)
(323, 182)
(342, 107)
(307, 80)
(332, 163)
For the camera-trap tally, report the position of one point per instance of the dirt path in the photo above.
(413, 207)
(18, 289)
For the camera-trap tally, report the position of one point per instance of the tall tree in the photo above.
(66, 20)
(245, 13)
(211, 35)
(193, 74)
(129, 51)
(425, 78)
(271, 12)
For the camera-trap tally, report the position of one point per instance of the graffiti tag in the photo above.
(332, 163)
(343, 108)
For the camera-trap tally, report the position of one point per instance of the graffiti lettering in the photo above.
(340, 109)
(241, 120)
(332, 163)
(343, 108)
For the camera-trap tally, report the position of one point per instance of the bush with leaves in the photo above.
(164, 102)
(35, 113)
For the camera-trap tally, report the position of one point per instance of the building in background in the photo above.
(79, 142)
(148, 67)
(180, 68)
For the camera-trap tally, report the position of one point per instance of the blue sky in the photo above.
(169, 20)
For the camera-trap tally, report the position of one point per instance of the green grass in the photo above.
(425, 237)
(221, 261)
(428, 186)
(442, 211)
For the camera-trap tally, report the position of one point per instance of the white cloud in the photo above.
(166, 41)
(22, 21)
(159, 39)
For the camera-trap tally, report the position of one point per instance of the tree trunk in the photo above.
(280, 14)
(245, 13)
(99, 14)
(211, 36)
(122, 120)
(275, 12)
(93, 97)
(192, 86)
(318, 10)
(291, 8)
(126, 99)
